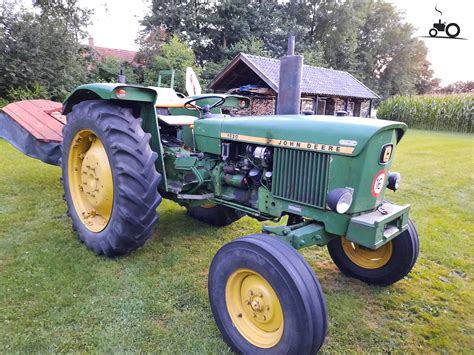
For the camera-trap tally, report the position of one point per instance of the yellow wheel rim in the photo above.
(90, 180)
(367, 258)
(254, 308)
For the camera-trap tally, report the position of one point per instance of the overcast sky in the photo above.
(116, 25)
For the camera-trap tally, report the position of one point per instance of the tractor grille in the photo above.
(300, 176)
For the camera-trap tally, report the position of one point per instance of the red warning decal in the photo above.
(378, 183)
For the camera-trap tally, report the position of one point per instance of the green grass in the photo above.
(57, 296)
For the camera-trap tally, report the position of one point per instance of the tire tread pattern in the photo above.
(297, 275)
(135, 178)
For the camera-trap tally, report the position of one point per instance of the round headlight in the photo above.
(394, 180)
(340, 200)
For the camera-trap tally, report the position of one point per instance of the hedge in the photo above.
(437, 112)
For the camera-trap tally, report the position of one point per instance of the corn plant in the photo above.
(431, 112)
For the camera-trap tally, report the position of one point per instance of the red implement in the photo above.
(35, 128)
(41, 118)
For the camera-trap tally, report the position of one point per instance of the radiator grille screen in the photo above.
(300, 176)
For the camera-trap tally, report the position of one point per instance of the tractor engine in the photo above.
(243, 170)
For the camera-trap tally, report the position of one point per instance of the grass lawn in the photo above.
(57, 296)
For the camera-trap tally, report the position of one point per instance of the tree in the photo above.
(252, 45)
(388, 58)
(174, 54)
(314, 56)
(210, 28)
(107, 69)
(459, 87)
(365, 37)
(42, 47)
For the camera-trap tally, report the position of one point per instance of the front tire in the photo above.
(265, 298)
(109, 177)
(383, 266)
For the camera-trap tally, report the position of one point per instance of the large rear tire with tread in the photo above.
(215, 215)
(265, 298)
(381, 267)
(109, 176)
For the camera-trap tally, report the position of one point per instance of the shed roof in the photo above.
(316, 80)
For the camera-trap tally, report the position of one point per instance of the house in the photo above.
(323, 91)
(121, 55)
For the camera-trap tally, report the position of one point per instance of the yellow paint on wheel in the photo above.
(254, 308)
(367, 258)
(90, 180)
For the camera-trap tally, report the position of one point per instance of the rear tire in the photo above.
(403, 251)
(457, 30)
(265, 298)
(215, 215)
(109, 177)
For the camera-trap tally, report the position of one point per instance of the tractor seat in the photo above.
(167, 97)
(177, 120)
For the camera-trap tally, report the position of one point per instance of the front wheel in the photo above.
(265, 298)
(433, 32)
(383, 266)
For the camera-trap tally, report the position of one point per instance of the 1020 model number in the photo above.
(232, 135)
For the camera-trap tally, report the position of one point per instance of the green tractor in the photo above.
(125, 147)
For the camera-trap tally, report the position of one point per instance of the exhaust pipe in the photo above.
(289, 87)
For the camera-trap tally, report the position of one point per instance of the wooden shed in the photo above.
(323, 91)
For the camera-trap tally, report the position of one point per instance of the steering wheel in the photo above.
(191, 104)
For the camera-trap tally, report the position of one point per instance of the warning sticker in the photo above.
(378, 183)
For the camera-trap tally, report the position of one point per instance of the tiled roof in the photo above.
(315, 80)
(122, 55)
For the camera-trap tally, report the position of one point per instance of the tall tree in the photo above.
(252, 45)
(388, 58)
(211, 28)
(175, 54)
(106, 70)
(42, 47)
(365, 37)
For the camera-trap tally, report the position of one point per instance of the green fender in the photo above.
(109, 91)
(143, 96)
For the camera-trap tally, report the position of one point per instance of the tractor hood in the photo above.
(336, 135)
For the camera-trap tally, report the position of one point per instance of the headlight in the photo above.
(340, 199)
(394, 180)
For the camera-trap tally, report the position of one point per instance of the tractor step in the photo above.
(34, 127)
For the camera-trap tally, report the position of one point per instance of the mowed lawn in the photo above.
(55, 295)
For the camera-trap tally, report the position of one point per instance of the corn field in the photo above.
(438, 112)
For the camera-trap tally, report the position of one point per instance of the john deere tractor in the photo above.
(125, 147)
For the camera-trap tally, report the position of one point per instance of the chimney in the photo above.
(289, 88)
(91, 41)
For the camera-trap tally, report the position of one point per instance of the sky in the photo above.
(116, 25)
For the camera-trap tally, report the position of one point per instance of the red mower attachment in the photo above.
(34, 127)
